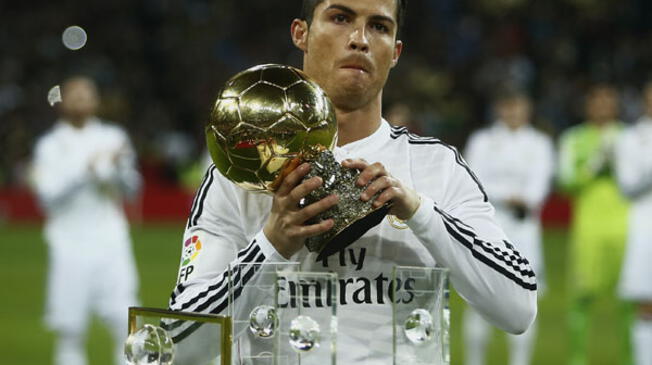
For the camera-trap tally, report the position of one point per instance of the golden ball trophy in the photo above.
(269, 119)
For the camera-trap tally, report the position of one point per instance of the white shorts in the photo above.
(81, 282)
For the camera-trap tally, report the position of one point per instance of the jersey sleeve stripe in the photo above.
(221, 287)
(236, 283)
(464, 228)
(497, 252)
(511, 261)
(246, 249)
(187, 332)
(509, 264)
(221, 306)
(177, 290)
(173, 296)
(249, 253)
(196, 198)
(184, 333)
(203, 193)
(222, 294)
(418, 140)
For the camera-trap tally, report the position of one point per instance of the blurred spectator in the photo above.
(169, 58)
(634, 172)
(400, 114)
(515, 163)
(599, 222)
(82, 169)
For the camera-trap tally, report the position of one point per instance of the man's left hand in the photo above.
(405, 201)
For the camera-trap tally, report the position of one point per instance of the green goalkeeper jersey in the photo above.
(599, 224)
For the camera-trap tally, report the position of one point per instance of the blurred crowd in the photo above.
(160, 63)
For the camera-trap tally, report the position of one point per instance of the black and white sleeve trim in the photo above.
(251, 254)
(200, 197)
(508, 262)
(215, 298)
(418, 140)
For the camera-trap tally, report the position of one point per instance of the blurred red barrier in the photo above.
(557, 212)
(156, 203)
(165, 202)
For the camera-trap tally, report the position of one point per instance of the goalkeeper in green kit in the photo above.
(599, 225)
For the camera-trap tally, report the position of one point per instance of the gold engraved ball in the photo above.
(264, 117)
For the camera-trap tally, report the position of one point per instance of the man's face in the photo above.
(515, 112)
(349, 48)
(602, 105)
(79, 99)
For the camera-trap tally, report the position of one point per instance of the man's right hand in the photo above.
(285, 227)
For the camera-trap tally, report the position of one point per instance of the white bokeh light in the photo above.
(74, 37)
(54, 95)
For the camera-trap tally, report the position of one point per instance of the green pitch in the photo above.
(23, 260)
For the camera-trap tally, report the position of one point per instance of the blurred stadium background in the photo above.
(160, 63)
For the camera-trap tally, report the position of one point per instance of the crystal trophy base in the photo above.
(421, 317)
(163, 337)
(282, 316)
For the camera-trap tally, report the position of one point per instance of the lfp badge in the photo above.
(191, 249)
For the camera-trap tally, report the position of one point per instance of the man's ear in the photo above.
(299, 31)
(398, 48)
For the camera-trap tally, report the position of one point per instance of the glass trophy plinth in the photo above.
(421, 317)
(282, 316)
(163, 337)
(279, 315)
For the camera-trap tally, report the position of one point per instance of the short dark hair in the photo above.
(308, 10)
(509, 94)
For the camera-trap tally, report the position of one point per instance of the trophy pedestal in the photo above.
(178, 338)
(422, 318)
(278, 315)
(283, 316)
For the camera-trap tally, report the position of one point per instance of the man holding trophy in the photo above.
(421, 204)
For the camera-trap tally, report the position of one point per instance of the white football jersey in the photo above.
(634, 172)
(80, 187)
(453, 228)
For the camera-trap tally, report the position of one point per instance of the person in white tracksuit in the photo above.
(82, 169)
(515, 162)
(633, 162)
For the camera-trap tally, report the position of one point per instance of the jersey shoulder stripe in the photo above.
(414, 139)
(195, 200)
(200, 197)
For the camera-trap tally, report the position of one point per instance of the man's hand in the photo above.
(285, 227)
(405, 200)
(519, 208)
